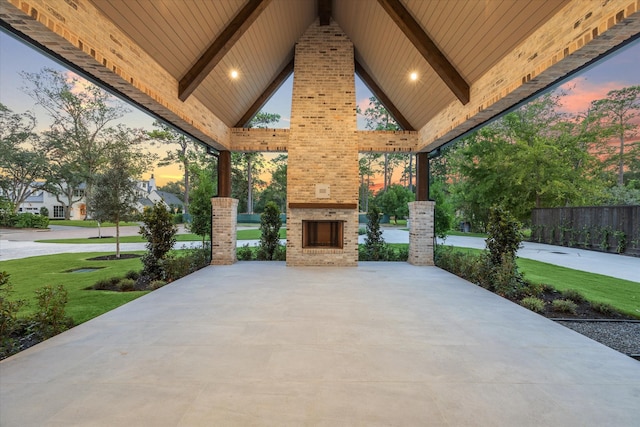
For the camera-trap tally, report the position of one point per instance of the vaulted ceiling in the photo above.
(473, 59)
(472, 36)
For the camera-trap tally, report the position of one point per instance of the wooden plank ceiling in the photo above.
(448, 43)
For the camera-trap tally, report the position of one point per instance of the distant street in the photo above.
(15, 244)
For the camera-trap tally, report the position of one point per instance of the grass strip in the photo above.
(89, 223)
(623, 295)
(29, 274)
(253, 234)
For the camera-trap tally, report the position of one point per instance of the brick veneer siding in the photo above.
(323, 143)
(224, 219)
(257, 139)
(421, 232)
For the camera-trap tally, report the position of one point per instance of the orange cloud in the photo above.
(580, 92)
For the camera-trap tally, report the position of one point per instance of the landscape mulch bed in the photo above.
(112, 257)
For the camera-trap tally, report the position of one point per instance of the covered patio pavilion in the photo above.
(356, 344)
(263, 344)
(441, 68)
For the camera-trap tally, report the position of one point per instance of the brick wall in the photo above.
(257, 139)
(323, 142)
(224, 214)
(380, 141)
(421, 232)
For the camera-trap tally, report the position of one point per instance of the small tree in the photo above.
(270, 224)
(504, 240)
(374, 242)
(202, 190)
(159, 230)
(114, 197)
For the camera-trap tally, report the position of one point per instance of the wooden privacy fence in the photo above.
(614, 229)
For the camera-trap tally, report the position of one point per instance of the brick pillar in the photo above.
(224, 218)
(421, 216)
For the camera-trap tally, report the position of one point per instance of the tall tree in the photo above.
(276, 191)
(378, 118)
(22, 167)
(248, 166)
(617, 112)
(182, 154)
(81, 114)
(532, 157)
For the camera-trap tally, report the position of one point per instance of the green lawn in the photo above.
(624, 295)
(29, 274)
(459, 233)
(88, 223)
(123, 239)
(253, 234)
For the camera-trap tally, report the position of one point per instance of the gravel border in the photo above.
(623, 336)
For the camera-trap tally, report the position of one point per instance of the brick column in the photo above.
(224, 218)
(421, 216)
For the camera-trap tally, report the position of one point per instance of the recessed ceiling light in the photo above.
(234, 74)
(413, 76)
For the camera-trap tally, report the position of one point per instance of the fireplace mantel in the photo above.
(323, 205)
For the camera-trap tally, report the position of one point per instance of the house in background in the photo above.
(148, 194)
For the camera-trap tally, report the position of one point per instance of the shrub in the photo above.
(188, 261)
(564, 306)
(603, 308)
(573, 295)
(29, 220)
(178, 218)
(44, 211)
(505, 236)
(132, 274)
(374, 245)
(126, 285)
(111, 284)
(50, 317)
(270, 224)
(506, 280)
(533, 304)
(8, 315)
(244, 253)
(159, 230)
(362, 231)
(156, 284)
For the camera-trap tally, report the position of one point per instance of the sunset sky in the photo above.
(619, 70)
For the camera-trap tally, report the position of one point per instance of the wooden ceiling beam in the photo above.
(282, 76)
(220, 46)
(427, 48)
(324, 12)
(382, 97)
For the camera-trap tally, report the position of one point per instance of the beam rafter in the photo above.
(267, 94)
(382, 97)
(324, 12)
(220, 46)
(427, 48)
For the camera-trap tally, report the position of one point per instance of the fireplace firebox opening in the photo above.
(322, 234)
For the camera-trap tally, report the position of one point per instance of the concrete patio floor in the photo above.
(264, 344)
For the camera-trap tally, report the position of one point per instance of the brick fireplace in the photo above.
(322, 176)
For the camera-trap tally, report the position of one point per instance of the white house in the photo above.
(148, 194)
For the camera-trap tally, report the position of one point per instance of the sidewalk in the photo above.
(20, 244)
